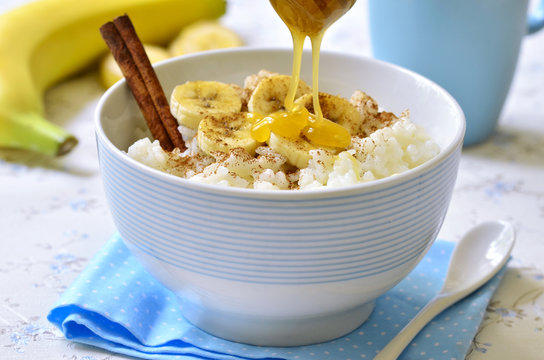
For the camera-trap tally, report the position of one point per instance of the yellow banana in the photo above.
(45, 41)
(204, 35)
(194, 100)
(226, 132)
(110, 72)
(296, 151)
(336, 109)
(269, 94)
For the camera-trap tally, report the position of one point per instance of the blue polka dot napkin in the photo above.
(116, 305)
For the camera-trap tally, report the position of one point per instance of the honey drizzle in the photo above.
(308, 18)
(298, 44)
(316, 50)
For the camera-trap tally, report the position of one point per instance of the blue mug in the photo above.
(469, 47)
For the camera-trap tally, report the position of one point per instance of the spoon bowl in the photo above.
(480, 254)
(478, 257)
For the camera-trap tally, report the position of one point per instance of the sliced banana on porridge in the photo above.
(336, 109)
(194, 100)
(222, 133)
(270, 92)
(296, 151)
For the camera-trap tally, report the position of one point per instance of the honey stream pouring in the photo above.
(312, 18)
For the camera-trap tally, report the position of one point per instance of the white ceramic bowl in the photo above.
(281, 267)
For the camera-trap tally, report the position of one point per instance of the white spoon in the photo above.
(479, 255)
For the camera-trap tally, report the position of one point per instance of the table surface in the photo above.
(55, 216)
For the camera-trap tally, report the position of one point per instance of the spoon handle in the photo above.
(395, 347)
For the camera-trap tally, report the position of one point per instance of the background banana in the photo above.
(200, 36)
(204, 35)
(47, 40)
(110, 72)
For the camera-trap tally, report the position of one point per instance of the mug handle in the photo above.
(536, 18)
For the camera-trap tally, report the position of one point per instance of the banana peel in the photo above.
(46, 41)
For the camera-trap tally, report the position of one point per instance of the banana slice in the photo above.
(226, 132)
(194, 100)
(269, 95)
(336, 109)
(110, 72)
(296, 151)
(251, 82)
(202, 36)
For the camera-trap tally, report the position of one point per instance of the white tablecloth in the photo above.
(54, 216)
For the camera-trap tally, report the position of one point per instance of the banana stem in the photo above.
(33, 132)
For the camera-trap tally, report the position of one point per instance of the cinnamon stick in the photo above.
(129, 53)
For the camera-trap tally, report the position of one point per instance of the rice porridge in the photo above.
(243, 137)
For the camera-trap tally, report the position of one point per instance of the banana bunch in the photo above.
(218, 112)
(45, 41)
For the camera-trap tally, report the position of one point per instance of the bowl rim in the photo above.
(389, 181)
